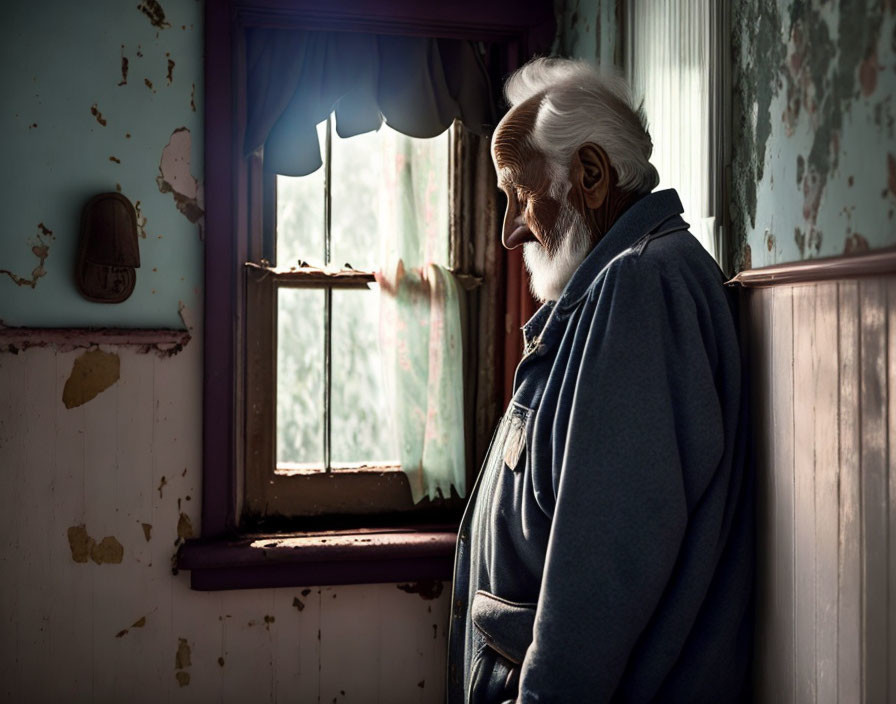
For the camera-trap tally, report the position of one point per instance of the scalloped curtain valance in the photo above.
(417, 85)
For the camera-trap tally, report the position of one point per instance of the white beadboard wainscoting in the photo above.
(122, 627)
(823, 365)
(823, 361)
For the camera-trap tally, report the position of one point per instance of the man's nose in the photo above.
(512, 220)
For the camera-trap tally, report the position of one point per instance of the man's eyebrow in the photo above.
(506, 177)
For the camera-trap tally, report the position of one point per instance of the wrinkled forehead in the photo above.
(511, 144)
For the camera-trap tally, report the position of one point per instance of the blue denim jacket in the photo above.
(607, 550)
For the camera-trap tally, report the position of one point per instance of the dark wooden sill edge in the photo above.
(878, 262)
(327, 558)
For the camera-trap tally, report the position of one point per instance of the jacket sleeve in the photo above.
(644, 403)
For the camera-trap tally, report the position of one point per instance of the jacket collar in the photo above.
(645, 217)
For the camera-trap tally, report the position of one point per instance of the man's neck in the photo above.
(603, 218)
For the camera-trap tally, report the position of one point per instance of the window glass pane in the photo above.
(300, 215)
(360, 418)
(300, 376)
(356, 171)
(389, 199)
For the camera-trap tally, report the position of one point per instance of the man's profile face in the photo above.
(555, 237)
(523, 176)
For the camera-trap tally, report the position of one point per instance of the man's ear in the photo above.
(593, 174)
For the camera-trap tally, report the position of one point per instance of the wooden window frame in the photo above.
(719, 122)
(227, 556)
(318, 495)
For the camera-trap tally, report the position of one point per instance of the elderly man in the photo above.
(607, 551)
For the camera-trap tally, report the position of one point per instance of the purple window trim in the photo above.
(519, 25)
(219, 402)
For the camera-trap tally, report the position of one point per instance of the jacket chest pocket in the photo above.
(516, 432)
(508, 448)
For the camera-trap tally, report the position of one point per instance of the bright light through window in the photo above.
(379, 196)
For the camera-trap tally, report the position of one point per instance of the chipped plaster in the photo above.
(176, 178)
(182, 660)
(139, 623)
(426, 588)
(108, 550)
(154, 13)
(79, 543)
(184, 528)
(40, 248)
(82, 547)
(92, 373)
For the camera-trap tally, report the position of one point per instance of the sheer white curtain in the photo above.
(421, 307)
(673, 66)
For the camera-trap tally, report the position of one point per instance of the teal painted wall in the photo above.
(814, 168)
(589, 29)
(59, 60)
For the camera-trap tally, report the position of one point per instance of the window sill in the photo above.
(320, 558)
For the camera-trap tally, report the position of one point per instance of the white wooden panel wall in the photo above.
(101, 464)
(823, 363)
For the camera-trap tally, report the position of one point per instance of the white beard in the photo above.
(549, 274)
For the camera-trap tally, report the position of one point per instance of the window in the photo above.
(240, 215)
(677, 65)
(322, 439)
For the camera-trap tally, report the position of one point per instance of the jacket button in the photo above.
(463, 535)
(458, 607)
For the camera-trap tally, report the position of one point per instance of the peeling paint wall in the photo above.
(94, 93)
(814, 120)
(814, 150)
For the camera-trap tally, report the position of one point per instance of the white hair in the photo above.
(582, 104)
